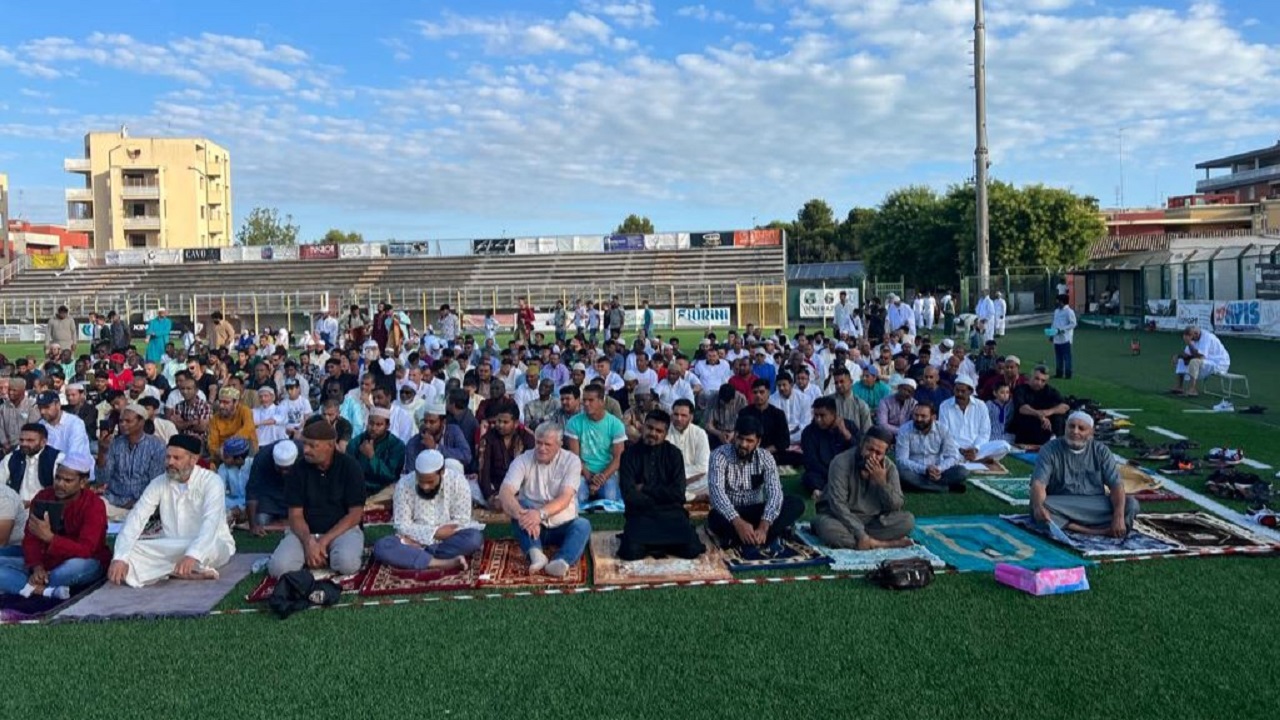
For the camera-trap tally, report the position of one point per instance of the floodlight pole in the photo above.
(980, 154)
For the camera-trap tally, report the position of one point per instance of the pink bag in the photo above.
(1051, 581)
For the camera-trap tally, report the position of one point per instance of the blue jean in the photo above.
(72, 573)
(571, 537)
(1062, 359)
(391, 551)
(610, 490)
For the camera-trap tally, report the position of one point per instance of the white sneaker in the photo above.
(557, 568)
(537, 561)
(1224, 406)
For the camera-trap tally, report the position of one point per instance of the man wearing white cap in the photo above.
(1071, 481)
(269, 418)
(131, 461)
(195, 539)
(899, 315)
(380, 456)
(1002, 312)
(967, 420)
(432, 517)
(264, 494)
(435, 434)
(675, 386)
(895, 410)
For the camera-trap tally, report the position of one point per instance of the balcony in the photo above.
(142, 222)
(1245, 177)
(79, 194)
(77, 165)
(80, 224)
(130, 191)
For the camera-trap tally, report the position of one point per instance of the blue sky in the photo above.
(427, 120)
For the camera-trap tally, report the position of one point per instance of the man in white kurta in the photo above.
(986, 312)
(1002, 312)
(1204, 355)
(195, 539)
(969, 423)
(898, 316)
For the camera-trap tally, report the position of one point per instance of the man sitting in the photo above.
(691, 441)
(380, 456)
(540, 495)
(797, 407)
(195, 539)
(862, 507)
(501, 444)
(848, 405)
(871, 389)
(748, 506)
(597, 438)
(1203, 356)
(1041, 412)
(325, 496)
(231, 418)
(436, 434)
(776, 439)
(30, 467)
(264, 494)
(58, 554)
(432, 517)
(969, 424)
(652, 481)
(928, 459)
(825, 438)
(1070, 483)
(895, 410)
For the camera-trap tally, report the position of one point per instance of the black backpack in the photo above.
(299, 590)
(908, 574)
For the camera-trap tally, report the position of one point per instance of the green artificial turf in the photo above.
(1172, 638)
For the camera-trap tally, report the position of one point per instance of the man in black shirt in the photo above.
(325, 496)
(1040, 413)
(776, 439)
(652, 480)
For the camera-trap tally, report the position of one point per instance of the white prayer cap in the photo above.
(435, 407)
(900, 381)
(285, 453)
(630, 376)
(78, 387)
(369, 344)
(842, 345)
(1082, 416)
(428, 461)
(267, 390)
(579, 367)
(967, 380)
(387, 365)
(79, 462)
(380, 412)
(948, 343)
(1013, 359)
(136, 409)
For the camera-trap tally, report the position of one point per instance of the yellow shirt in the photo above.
(240, 423)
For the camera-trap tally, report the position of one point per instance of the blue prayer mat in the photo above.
(1135, 543)
(844, 560)
(976, 543)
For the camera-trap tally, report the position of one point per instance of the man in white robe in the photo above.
(1002, 312)
(986, 312)
(1203, 356)
(195, 539)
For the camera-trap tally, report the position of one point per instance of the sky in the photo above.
(425, 120)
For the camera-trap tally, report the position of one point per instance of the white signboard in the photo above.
(821, 302)
(702, 317)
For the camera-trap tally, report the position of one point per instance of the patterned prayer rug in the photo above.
(976, 543)
(504, 565)
(380, 515)
(490, 517)
(845, 560)
(1202, 533)
(386, 580)
(1017, 491)
(1136, 542)
(15, 609)
(988, 469)
(609, 570)
(792, 554)
(349, 584)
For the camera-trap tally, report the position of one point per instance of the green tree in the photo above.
(1033, 226)
(337, 237)
(635, 225)
(812, 236)
(851, 232)
(909, 237)
(263, 226)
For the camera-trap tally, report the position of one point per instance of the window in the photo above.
(201, 212)
(137, 240)
(201, 182)
(139, 210)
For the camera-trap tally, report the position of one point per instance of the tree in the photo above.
(337, 237)
(635, 225)
(910, 238)
(263, 226)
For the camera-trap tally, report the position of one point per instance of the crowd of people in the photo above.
(189, 439)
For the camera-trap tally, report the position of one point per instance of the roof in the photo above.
(1113, 246)
(1134, 262)
(1230, 160)
(816, 272)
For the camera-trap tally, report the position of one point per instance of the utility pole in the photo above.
(980, 154)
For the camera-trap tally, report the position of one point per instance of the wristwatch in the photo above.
(542, 515)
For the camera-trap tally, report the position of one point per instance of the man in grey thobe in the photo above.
(862, 506)
(1070, 483)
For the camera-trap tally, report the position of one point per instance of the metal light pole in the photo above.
(980, 154)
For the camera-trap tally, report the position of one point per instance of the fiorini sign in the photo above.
(702, 317)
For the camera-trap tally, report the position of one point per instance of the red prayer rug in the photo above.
(380, 515)
(348, 583)
(505, 565)
(387, 580)
(698, 509)
(609, 570)
(489, 517)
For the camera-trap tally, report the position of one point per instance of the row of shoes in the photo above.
(1235, 485)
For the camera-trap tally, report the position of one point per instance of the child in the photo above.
(295, 408)
(1001, 411)
(490, 327)
(977, 334)
(269, 418)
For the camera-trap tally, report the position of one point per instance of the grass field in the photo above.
(1186, 638)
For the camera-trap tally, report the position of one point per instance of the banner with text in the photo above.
(196, 255)
(623, 243)
(1247, 317)
(702, 317)
(50, 261)
(409, 249)
(666, 241)
(757, 238)
(711, 239)
(821, 302)
(493, 246)
(318, 252)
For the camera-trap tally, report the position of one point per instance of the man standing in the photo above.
(119, 333)
(325, 496)
(61, 331)
(220, 333)
(842, 315)
(1041, 412)
(380, 456)
(1203, 356)
(131, 461)
(927, 457)
(691, 441)
(540, 495)
(432, 517)
(948, 314)
(1064, 326)
(862, 508)
(159, 328)
(195, 539)
(986, 312)
(1071, 481)
(1002, 312)
(653, 487)
(748, 507)
(597, 438)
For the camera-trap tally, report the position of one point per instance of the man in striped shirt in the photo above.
(748, 507)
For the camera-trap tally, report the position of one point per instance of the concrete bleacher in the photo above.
(693, 276)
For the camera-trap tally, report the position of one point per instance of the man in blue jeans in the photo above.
(540, 495)
(1064, 327)
(597, 438)
(63, 548)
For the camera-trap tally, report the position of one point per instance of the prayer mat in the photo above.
(15, 609)
(489, 517)
(602, 506)
(698, 509)
(995, 468)
(609, 570)
(1202, 533)
(387, 580)
(1136, 542)
(505, 565)
(976, 543)
(348, 583)
(861, 561)
(1015, 491)
(792, 554)
(1141, 485)
(167, 599)
(380, 515)
(1027, 457)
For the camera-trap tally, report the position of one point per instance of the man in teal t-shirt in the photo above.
(597, 438)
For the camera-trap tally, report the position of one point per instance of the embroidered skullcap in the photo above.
(285, 453)
(1082, 416)
(428, 461)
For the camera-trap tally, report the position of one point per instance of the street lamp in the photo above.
(205, 177)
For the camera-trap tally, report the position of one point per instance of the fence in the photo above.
(1025, 294)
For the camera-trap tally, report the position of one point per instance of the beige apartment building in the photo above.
(142, 192)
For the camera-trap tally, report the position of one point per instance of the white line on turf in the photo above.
(1166, 433)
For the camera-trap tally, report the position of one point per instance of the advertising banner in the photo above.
(1195, 313)
(1247, 317)
(493, 246)
(284, 252)
(588, 243)
(821, 302)
(702, 317)
(318, 252)
(409, 249)
(51, 261)
(757, 238)
(190, 255)
(1267, 276)
(711, 239)
(666, 241)
(125, 257)
(623, 243)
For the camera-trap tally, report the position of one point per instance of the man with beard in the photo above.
(380, 456)
(1041, 411)
(436, 434)
(69, 552)
(264, 494)
(131, 461)
(848, 405)
(195, 539)
(30, 467)
(695, 451)
(231, 419)
(432, 518)
(928, 458)
(748, 507)
(1070, 484)
(862, 507)
(652, 480)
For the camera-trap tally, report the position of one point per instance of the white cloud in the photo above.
(400, 51)
(630, 14)
(576, 33)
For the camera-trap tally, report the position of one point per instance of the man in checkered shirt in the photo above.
(748, 507)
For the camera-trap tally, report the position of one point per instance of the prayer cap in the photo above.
(46, 398)
(285, 453)
(905, 381)
(428, 461)
(319, 429)
(162, 311)
(966, 380)
(1013, 359)
(228, 393)
(872, 370)
(948, 343)
(1082, 416)
(136, 409)
(630, 376)
(387, 365)
(292, 382)
(267, 390)
(842, 345)
(379, 412)
(235, 446)
(185, 442)
(579, 367)
(370, 344)
(80, 462)
(78, 387)
(435, 407)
